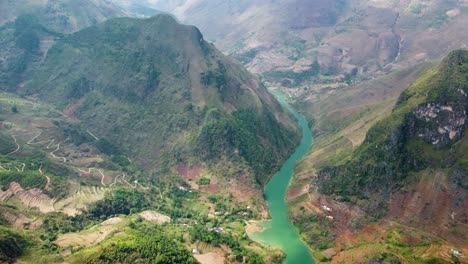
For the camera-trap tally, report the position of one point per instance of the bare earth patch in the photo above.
(253, 226)
(70, 109)
(453, 12)
(33, 198)
(92, 238)
(156, 217)
(112, 221)
(294, 193)
(210, 258)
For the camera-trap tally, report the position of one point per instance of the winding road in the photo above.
(17, 146)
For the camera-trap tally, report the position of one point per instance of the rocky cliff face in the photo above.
(438, 124)
(425, 131)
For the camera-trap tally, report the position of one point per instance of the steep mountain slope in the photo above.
(405, 185)
(23, 45)
(283, 39)
(63, 200)
(60, 16)
(138, 8)
(164, 96)
(29, 28)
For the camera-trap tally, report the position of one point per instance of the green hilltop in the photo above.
(163, 95)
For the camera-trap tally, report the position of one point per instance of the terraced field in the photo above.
(37, 128)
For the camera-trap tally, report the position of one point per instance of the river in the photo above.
(279, 231)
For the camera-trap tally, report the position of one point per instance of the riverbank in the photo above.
(279, 231)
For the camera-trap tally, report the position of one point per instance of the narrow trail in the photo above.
(17, 146)
(123, 179)
(141, 186)
(30, 142)
(103, 176)
(102, 179)
(86, 172)
(58, 157)
(51, 141)
(115, 180)
(47, 187)
(91, 134)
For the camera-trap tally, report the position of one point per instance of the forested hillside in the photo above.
(410, 173)
(161, 94)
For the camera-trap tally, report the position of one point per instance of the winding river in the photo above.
(279, 231)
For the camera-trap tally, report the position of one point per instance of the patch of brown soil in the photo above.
(112, 221)
(215, 257)
(74, 239)
(253, 226)
(424, 214)
(20, 221)
(156, 217)
(33, 198)
(68, 111)
(294, 193)
(342, 213)
(430, 206)
(242, 190)
(188, 172)
(372, 240)
(210, 188)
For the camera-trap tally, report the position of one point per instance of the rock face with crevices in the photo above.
(439, 125)
(426, 131)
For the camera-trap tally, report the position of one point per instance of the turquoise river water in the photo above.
(279, 231)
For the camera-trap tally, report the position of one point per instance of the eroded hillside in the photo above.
(404, 185)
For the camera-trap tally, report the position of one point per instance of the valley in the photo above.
(127, 136)
(279, 231)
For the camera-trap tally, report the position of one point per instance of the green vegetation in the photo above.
(215, 239)
(169, 116)
(195, 122)
(12, 245)
(399, 154)
(26, 37)
(7, 145)
(390, 150)
(150, 245)
(314, 229)
(27, 180)
(203, 181)
(30, 177)
(121, 201)
(296, 77)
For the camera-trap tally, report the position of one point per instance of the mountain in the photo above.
(132, 140)
(64, 200)
(29, 28)
(283, 39)
(165, 97)
(138, 8)
(60, 16)
(405, 185)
